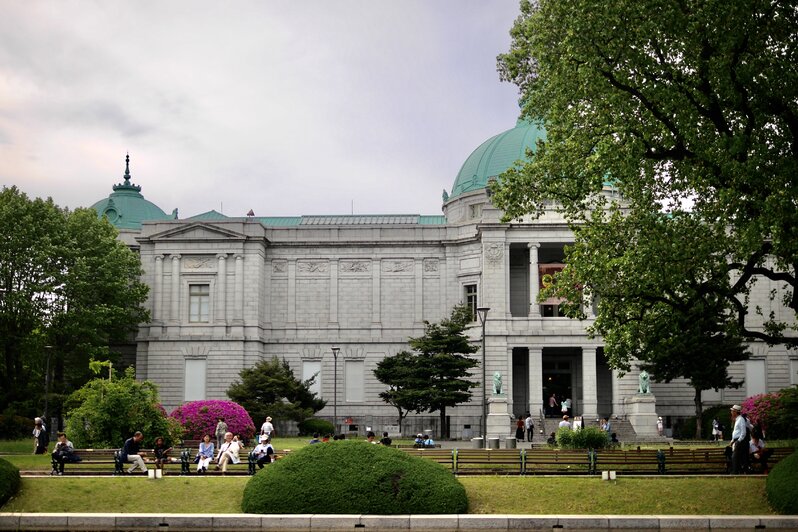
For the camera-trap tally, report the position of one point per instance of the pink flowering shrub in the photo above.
(761, 409)
(200, 418)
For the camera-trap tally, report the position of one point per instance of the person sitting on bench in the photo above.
(63, 453)
(758, 453)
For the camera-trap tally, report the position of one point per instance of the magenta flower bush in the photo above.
(761, 409)
(200, 418)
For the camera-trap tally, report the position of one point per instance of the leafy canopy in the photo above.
(65, 282)
(269, 388)
(689, 111)
(436, 376)
(104, 413)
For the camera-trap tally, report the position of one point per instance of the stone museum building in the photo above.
(227, 292)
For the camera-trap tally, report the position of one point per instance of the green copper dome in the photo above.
(126, 208)
(496, 155)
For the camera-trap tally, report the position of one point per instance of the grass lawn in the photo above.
(486, 495)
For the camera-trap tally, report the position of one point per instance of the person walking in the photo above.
(221, 429)
(529, 425)
(739, 442)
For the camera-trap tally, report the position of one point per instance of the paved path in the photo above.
(438, 523)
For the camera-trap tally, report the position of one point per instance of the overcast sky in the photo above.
(284, 107)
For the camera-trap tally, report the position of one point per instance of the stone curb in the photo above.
(172, 522)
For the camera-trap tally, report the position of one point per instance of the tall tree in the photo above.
(270, 388)
(690, 112)
(685, 107)
(406, 390)
(442, 367)
(65, 283)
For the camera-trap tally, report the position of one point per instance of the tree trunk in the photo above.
(698, 411)
(444, 432)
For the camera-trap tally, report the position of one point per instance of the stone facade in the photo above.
(228, 293)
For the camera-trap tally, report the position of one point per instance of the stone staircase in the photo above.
(622, 427)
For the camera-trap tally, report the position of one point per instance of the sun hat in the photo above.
(736, 407)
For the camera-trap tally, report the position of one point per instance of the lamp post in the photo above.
(482, 312)
(335, 351)
(49, 350)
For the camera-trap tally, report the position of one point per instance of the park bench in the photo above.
(557, 461)
(489, 461)
(445, 457)
(414, 446)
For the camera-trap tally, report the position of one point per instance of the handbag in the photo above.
(197, 458)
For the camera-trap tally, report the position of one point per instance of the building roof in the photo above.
(327, 220)
(126, 208)
(496, 155)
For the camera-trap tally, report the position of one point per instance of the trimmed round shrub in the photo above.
(354, 477)
(584, 438)
(200, 417)
(313, 425)
(9, 481)
(781, 487)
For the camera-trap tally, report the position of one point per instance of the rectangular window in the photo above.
(755, 381)
(793, 371)
(471, 300)
(309, 369)
(198, 302)
(195, 379)
(353, 377)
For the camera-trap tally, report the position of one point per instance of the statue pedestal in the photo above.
(499, 417)
(641, 409)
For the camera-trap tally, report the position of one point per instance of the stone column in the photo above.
(221, 289)
(333, 290)
(589, 384)
(419, 291)
(174, 314)
(534, 281)
(535, 381)
(157, 295)
(291, 292)
(376, 297)
(238, 310)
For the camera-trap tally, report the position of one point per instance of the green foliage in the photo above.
(775, 413)
(584, 438)
(406, 388)
(781, 487)
(103, 414)
(687, 113)
(436, 375)
(9, 481)
(65, 282)
(311, 426)
(364, 479)
(13, 427)
(269, 388)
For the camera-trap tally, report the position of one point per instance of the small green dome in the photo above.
(496, 155)
(126, 208)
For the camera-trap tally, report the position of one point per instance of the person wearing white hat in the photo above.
(267, 429)
(739, 442)
(660, 427)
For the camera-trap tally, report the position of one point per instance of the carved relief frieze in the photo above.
(430, 265)
(494, 252)
(397, 266)
(354, 266)
(198, 263)
(312, 266)
(195, 351)
(279, 266)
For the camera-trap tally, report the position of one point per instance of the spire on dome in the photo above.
(127, 185)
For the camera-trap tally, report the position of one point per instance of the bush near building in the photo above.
(15, 427)
(781, 487)
(313, 425)
(9, 481)
(775, 413)
(584, 438)
(354, 477)
(200, 418)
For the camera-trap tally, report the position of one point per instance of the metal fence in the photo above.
(463, 428)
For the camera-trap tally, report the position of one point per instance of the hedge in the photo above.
(9, 481)
(584, 438)
(781, 486)
(353, 477)
(314, 425)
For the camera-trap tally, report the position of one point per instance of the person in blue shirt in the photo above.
(315, 439)
(419, 441)
(427, 441)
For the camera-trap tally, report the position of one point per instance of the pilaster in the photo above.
(534, 281)
(589, 383)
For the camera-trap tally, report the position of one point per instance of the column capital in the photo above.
(221, 256)
(159, 257)
(531, 245)
(177, 256)
(239, 256)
